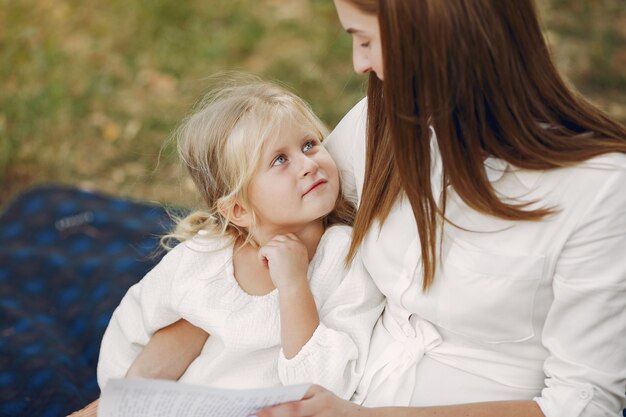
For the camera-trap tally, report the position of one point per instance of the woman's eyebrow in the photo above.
(353, 31)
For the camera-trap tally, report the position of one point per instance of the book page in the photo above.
(157, 398)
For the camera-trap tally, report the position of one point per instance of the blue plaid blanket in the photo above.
(67, 257)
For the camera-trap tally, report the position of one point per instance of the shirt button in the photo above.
(584, 394)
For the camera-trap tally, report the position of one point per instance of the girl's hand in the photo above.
(317, 402)
(287, 259)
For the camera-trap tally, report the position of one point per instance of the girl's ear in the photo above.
(238, 214)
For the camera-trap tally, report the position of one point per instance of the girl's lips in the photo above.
(315, 185)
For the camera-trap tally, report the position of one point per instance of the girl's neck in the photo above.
(309, 234)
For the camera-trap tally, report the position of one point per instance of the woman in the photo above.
(499, 243)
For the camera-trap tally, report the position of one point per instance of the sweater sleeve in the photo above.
(586, 325)
(335, 355)
(146, 307)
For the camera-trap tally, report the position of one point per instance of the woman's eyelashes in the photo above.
(360, 41)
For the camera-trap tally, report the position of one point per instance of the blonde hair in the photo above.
(220, 145)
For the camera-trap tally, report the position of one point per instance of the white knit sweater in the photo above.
(195, 281)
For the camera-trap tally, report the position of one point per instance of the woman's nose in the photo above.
(361, 62)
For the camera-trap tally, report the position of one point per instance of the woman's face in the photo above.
(366, 48)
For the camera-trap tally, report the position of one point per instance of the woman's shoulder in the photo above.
(583, 188)
(588, 174)
(350, 128)
(607, 176)
(600, 172)
(614, 162)
(356, 117)
(358, 111)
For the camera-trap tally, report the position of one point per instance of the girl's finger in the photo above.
(279, 238)
(261, 255)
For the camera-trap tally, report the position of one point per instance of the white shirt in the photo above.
(518, 310)
(195, 281)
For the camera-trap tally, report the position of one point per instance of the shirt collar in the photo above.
(495, 168)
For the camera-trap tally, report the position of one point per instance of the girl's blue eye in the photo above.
(308, 146)
(280, 160)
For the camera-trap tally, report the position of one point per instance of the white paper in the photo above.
(156, 398)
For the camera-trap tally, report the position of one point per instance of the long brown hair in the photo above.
(480, 73)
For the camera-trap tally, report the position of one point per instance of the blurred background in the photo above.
(90, 90)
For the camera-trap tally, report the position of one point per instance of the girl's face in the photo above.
(366, 48)
(296, 182)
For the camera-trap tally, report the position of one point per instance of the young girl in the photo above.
(262, 270)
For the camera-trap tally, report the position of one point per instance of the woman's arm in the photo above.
(169, 352)
(90, 410)
(585, 326)
(167, 355)
(319, 402)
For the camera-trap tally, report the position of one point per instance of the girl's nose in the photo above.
(309, 166)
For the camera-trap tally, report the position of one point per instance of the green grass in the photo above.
(91, 90)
